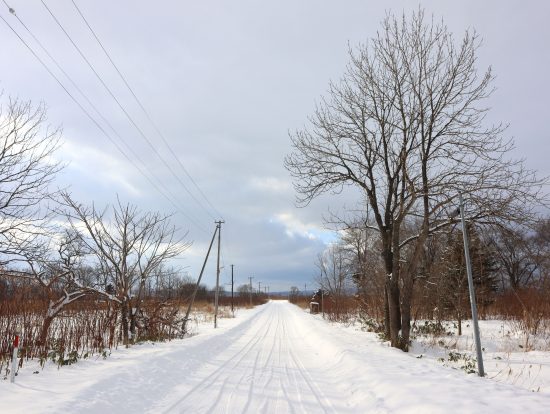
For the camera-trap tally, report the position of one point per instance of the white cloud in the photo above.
(99, 165)
(270, 184)
(295, 227)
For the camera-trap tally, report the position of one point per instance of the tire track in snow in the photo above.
(323, 401)
(236, 359)
(256, 369)
(251, 378)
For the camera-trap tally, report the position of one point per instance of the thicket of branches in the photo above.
(511, 275)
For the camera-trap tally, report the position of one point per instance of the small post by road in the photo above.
(232, 281)
(250, 290)
(480, 368)
(14, 357)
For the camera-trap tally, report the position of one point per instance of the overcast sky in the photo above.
(225, 81)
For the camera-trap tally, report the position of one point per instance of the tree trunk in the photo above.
(393, 287)
(406, 307)
(135, 312)
(113, 322)
(386, 312)
(395, 311)
(124, 321)
(44, 331)
(133, 315)
(392, 318)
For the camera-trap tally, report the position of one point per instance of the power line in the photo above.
(123, 109)
(144, 110)
(94, 121)
(97, 111)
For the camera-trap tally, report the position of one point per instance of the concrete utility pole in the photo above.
(480, 368)
(250, 290)
(216, 296)
(192, 300)
(232, 281)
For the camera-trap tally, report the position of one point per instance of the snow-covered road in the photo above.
(273, 359)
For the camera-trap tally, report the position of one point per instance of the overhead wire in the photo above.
(96, 110)
(93, 120)
(123, 109)
(142, 107)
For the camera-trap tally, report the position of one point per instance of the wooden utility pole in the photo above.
(232, 309)
(216, 296)
(250, 290)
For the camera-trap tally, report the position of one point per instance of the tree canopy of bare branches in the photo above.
(129, 247)
(27, 168)
(406, 125)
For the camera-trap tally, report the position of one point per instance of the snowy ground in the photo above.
(272, 359)
(509, 355)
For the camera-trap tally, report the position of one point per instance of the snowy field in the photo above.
(509, 355)
(275, 358)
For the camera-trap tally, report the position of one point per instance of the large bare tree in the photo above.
(406, 125)
(129, 246)
(27, 168)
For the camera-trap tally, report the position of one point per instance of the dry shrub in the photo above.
(160, 320)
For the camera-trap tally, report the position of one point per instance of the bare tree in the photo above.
(406, 125)
(293, 294)
(244, 290)
(452, 286)
(517, 255)
(27, 168)
(58, 270)
(335, 266)
(129, 248)
(366, 268)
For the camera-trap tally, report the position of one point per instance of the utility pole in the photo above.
(259, 288)
(192, 300)
(216, 296)
(232, 309)
(250, 288)
(480, 369)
